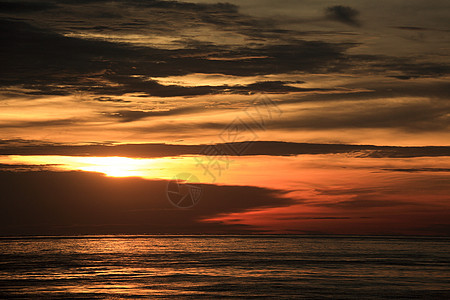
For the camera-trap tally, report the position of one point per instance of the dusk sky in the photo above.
(305, 117)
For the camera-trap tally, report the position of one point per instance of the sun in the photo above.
(113, 166)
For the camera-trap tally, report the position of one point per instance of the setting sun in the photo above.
(113, 166)
(110, 166)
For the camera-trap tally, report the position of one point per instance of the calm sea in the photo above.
(279, 267)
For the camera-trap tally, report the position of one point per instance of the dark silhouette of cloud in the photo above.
(109, 99)
(314, 218)
(439, 90)
(41, 124)
(58, 63)
(343, 14)
(416, 170)
(18, 7)
(364, 203)
(23, 168)
(418, 116)
(134, 115)
(413, 28)
(66, 203)
(256, 148)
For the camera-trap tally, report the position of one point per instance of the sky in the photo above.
(302, 117)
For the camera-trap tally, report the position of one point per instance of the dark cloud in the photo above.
(109, 99)
(416, 170)
(177, 5)
(40, 59)
(88, 203)
(39, 124)
(345, 191)
(255, 148)
(313, 218)
(439, 90)
(18, 7)
(23, 168)
(44, 60)
(343, 14)
(410, 68)
(153, 88)
(414, 28)
(404, 77)
(134, 115)
(62, 65)
(411, 191)
(410, 116)
(277, 87)
(366, 203)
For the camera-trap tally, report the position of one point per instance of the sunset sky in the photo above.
(304, 117)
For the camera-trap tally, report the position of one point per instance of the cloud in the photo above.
(88, 203)
(110, 99)
(256, 148)
(41, 124)
(18, 7)
(313, 218)
(343, 14)
(134, 115)
(416, 170)
(362, 203)
(384, 109)
(409, 114)
(373, 90)
(57, 64)
(413, 28)
(23, 168)
(78, 47)
(364, 199)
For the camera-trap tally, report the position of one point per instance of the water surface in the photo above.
(280, 267)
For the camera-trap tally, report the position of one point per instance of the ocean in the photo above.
(208, 267)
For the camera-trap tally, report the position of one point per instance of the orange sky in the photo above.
(78, 79)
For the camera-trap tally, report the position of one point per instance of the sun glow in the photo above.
(113, 166)
(110, 166)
